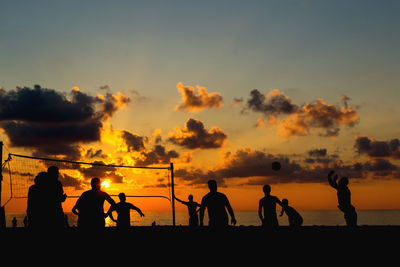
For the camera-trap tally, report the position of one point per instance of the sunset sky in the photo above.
(220, 88)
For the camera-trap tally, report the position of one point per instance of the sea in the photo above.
(244, 218)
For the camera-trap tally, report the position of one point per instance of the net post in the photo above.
(2, 211)
(173, 193)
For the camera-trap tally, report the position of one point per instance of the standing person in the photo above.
(216, 204)
(89, 207)
(36, 205)
(123, 209)
(268, 204)
(295, 219)
(55, 197)
(344, 198)
(192, 208)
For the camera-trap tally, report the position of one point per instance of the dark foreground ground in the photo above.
(310, 244)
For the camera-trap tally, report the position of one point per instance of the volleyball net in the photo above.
(150, 186)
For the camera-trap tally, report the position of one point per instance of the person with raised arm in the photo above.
(192, 209)
(344, 198)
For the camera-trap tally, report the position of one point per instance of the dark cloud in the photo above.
(159, 155)
(102, 172)
(374, 148)
(94, 153)
(193, 101)
(317, 152)
(273, 104)
(133, 141)
(51, 124)
(67, 180)
(194, 135)
(379, 166)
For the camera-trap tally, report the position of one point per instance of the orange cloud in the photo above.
(195, 101)
(317, 115)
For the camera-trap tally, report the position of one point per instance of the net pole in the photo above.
(2, 211)
(173, 193)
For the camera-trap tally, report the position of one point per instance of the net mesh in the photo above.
(75, 177)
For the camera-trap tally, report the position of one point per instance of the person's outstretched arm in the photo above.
(333, 181)
(181, 201)
(133, 207)
(230, 211)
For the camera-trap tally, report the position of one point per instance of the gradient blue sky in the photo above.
(306, 49)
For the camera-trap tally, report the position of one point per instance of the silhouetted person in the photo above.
(123, 209)
(89, 207)
(25, 221)
(216, 204)
(344, 198)
(192, 208)
(14, 222)
(55, 196)
(268, 204)
(295, 219)
(36, 210)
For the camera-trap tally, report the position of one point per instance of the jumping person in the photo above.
(344, 198)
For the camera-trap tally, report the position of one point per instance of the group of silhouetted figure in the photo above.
(45, 197)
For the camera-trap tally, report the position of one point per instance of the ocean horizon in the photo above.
(244, 218)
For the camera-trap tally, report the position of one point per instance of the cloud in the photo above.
(194, 135)
(237, 102)
(301, 120)
(158, 155)
(374, 148)
(253, 167)
(274, 103)
(108, 172)
(317, 152)
(317, 115)
(192, 101)
(51, 124)
(142, 156)
(133, 141)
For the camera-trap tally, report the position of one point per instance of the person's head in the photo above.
(212, 185)
(53, 172)
(285, 202)
(122, 197)
(190, 197)
(40, 178)
(95, 183)
(343, 182)
(267, 189)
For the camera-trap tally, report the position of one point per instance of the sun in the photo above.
(105, 184)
